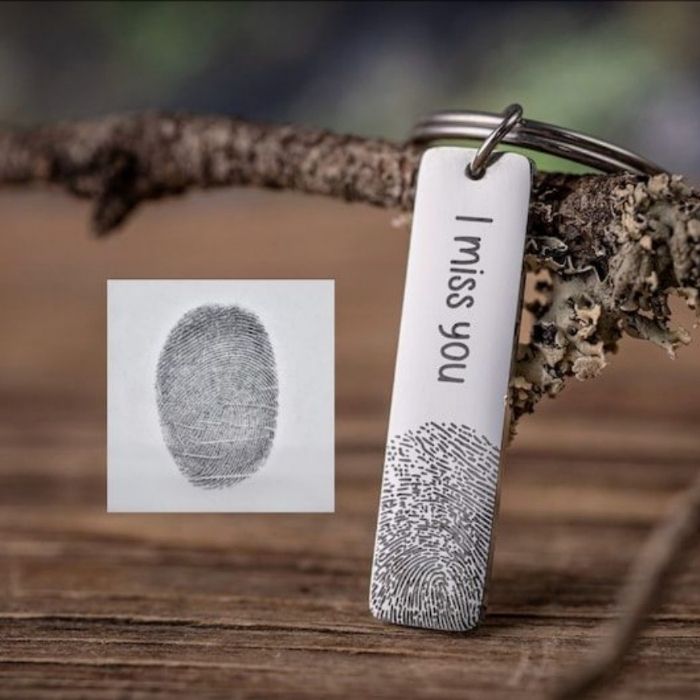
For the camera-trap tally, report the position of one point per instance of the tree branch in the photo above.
(614, 246)
(648, 582)
(120, 162)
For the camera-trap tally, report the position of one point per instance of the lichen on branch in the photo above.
(612, 261)
(609, 249)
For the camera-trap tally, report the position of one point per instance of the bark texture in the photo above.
(608, 249)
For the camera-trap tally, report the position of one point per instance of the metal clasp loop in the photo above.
(511, 128)
(511, 116)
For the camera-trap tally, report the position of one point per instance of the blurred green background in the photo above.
(629, 72)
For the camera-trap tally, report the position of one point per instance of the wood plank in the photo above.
(255, 606)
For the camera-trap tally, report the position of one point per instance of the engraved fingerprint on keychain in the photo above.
(433, 542)
(217, 395)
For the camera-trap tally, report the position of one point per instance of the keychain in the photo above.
(459, 328)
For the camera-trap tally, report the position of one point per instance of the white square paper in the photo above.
(298, 473)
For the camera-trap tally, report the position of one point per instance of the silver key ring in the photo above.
(511, 128)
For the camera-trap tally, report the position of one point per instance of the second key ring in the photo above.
(510, 127)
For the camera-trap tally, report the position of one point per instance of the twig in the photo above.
(648, 580)
(616, 245)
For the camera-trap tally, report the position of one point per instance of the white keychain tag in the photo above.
(459, 319)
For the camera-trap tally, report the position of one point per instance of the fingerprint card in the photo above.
(220, 396)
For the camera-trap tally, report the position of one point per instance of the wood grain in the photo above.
(275, 606)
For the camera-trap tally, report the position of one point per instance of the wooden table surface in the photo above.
(100, 605)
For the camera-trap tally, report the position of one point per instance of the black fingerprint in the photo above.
(217, 392)
(434, 534)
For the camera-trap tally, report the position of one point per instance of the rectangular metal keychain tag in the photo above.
(441, 471)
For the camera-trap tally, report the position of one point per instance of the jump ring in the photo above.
(511, 116)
